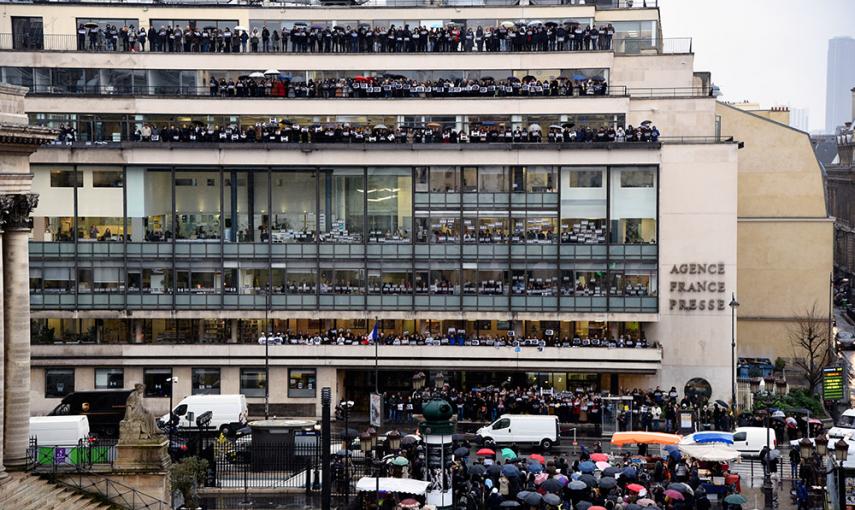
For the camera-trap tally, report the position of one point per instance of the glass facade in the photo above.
(492, 238)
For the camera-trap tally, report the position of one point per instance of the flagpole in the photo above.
(376, 359)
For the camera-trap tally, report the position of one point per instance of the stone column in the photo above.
(3, 473)
(16, 326)
(138, 335)
(233, 339)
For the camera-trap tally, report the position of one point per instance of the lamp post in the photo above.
(734, 304)
(172, 382)
(841, 454)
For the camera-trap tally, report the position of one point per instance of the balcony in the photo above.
(412, 357)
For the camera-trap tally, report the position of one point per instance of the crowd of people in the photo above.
(358, 38)
(283, 131)
(457, 338)
(396, 86)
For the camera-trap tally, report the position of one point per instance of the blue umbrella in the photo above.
(535, 467)
(675, 454)
(629, 473)
(522, 494)
(671, 448)
(587, 467)
(578, 77)
(510, 471)
(713, 437)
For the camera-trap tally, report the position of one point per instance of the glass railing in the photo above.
(600, 4)
(70, 42)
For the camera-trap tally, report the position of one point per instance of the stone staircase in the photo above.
(23, 491)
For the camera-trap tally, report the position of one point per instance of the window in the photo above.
(637, 179)
(502, 424)
(59, 382)
(111, 179)
(156, 384)
(301, 382)
(109, 378)
(206, 381)
(699, 388)
(253, 381)
(740, 436)
(65, 179)
(585, 178)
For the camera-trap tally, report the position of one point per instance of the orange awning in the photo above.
(640, 437)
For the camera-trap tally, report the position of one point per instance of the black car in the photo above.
(104, 409)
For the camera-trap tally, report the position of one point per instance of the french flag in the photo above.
(375, 333)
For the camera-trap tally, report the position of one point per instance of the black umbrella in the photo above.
(521, 495)
(458, 437)
(477, 470)
(632, 506)
(552, 499)
(611, 471)
(588, 480)
(408, 440)
(90, 24)
(494, 470)
(461, 452)
(533, 499)
(722, 403)
(680, 487)
(584, 505)
(528, 77)
(607, 483)
(577, 485)
(552, 485)
(509, 504)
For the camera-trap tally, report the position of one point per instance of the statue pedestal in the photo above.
(143, 455)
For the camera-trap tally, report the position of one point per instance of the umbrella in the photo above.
(509, 504)
(342, 453)
(537, 457)
(607, 483)
(584, 505)
(671, 493)
(634, 487)
(646, 122)
(271, 72)
(552, 485)
(484, 452)
(458, 437)
(522, 494)
(577, 485)
(588, 480)
(477, 470)
(90, 24)
(611, 471)
(510, 471)
(533, 127)
(461, 452)
(722, 403)
(535, 22)
(680, 487)
(602, 465)
(434, 125)
(409, 439)
(494, 470)
(241, 28)
(528, 77)
(735, 499)
(629, 473)
(383, 126)
(512, 78)
(646, 502)
(507, 24)
(552, 499)
(400, 461)
(596, 508)
(540, 478)
(632, 506)
(554, 126)
(256, 74)
(409, 503)
(587, 467)
(508, 453)
(599, 457)
(535, 467)
(533, 499)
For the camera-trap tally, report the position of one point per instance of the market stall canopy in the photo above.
(400, 485)
(710, 452)
(712, 436)
(660, 438)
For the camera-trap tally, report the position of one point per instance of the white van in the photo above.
(845, 426)
(226, 410)
(59, 430)
(521, 429)
(750, 440)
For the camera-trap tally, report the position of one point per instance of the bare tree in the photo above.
(811, 350)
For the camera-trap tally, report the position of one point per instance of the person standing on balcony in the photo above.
(265, 39)
(81, 37)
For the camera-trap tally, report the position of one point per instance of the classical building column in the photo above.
(16, 326)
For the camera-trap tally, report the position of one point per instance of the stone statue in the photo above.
(139, 424)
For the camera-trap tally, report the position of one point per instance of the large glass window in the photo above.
(583, 205)
(633, 205)
(390, 204)
(302, 382)
(343, 195)
(444, 179)
(245, 208)
(197, 205)
(253, 381)
(206, 381)
(59, 382)
(492, 179)
(65, 179)
(155, 381)
(541, 179)
(109, 378)
(294, 207)
(149, 205)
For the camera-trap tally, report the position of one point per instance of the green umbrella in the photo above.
(735, 499)
(400, 461)
(508, 453)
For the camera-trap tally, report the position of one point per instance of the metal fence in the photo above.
(84, 455)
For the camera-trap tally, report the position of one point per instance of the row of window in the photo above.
(302, 382)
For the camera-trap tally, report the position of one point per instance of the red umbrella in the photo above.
(409, 503)
(671, 493)
(599, 457)
(538, 457)
(485, 452)
(596, 508)
(634, 487)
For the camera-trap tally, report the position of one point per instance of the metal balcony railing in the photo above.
(397, 4)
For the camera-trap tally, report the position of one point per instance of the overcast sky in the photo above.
(769, 51)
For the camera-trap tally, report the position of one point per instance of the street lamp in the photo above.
(841, 451)
(734, 304)
(805, 449)
(821, 443)
(439, 381)
(172, 382)
(419, 381)
(394, 439)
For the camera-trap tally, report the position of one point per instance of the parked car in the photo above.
(845, 426)
(521, 429)
(845, 339)
(59, 430)
(751, 440)
(103, 408)
(229, 412)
